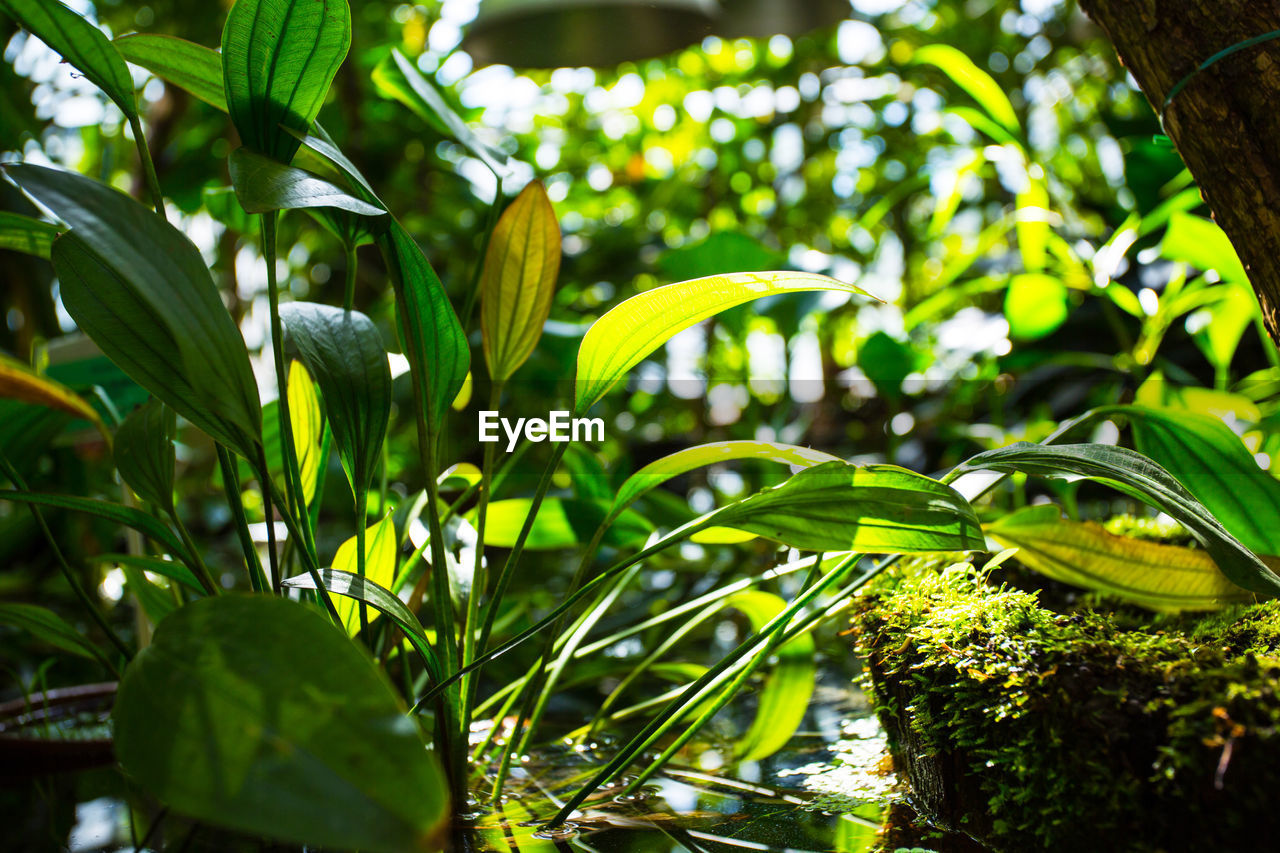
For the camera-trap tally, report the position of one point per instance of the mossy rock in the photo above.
(1034, 730)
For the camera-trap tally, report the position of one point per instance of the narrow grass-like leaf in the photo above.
(397, 78)
(351, 585)
(20, 233)
(49, 627)
(682, 461)
(144, 452)
(871, 509)
(141, 291)
(146, 524)
(434, 341)
(81, 44)
(264, 185)
(379, 566)
(1141, 478)
(518, 280)
(343, 351)
(1164, 578)
(156, 565)
(977, 83)
(254, 713)
(626, 334)
(192, 67)
(278, 59)
(19, 382)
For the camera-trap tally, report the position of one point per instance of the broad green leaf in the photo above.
(397, 78)
(434, 342)
(264, 185)
(836, 506)
(1033, 224)
(977, 83)
(1164, 578)
(255, 713)
(140, 290)
(1141, 478)
(1228, 319)
(156, 603)
(1202, 244)
(156, 565)
(144, 452)
(518, 280)
(148, 525)
(682, 461)
(561, 523)
(626, 334)
(49, 627)
(343, 351)
(1212, 463)
(349, 584)
(20, 233)
(19, 382)
(192, 67)
(379, 567)
(81, 44)
(784, 699)
(278, 59)
(308, 427)
(1035, 305)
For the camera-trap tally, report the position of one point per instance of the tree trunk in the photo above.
(1224, 122)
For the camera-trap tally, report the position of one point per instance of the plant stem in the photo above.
(349, 292)
(268, 506)
(202, 570)
(362, 514)
(291, 524)
(148, 167)
(231, 485)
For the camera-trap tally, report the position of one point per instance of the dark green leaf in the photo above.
(140, 290)
(80, 43)
(148, 525)
(193, 67)
(157, 566)
(264, 185)
(156, 603)
(278, 59)
(841, 507)
(1135, 475)
(20, 233)
(434, 341)
(256, 713)
(48, 626)
(343, 351)
(144, 452)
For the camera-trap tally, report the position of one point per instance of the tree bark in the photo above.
(1224, 122)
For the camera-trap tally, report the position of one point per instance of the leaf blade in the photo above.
(264, 185)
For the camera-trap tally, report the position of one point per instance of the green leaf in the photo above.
(308, 428)
(1228, 319)
(682, 461)
(836, 506)
(49, 627)
(379, 566)
(278, 59)
(1211, 461)
(626, 334)
(977, 83)
(140, 290)
(80, 43)
(434, 342)
(191, 67)
(353, 586)
(343, 351)
(397, 78)
(144, 452)
(19, 382)
(1164, 578)
(20, 233)
(518, 280)
(1035, 305)
(254, 713)
(784, 698)
(1137, 476)
(1033, 225)
(1202, 244)
(264, 185)
(561, 523)
(156, 603)
(156, 565)
(148, 525)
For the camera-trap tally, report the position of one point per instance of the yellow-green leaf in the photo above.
(626, 334)
(308, 427)
(977, 83)
(379, 567)
(518, 280)
(19, 382)
(1164, 578)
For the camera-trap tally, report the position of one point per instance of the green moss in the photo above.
(1033, 729)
